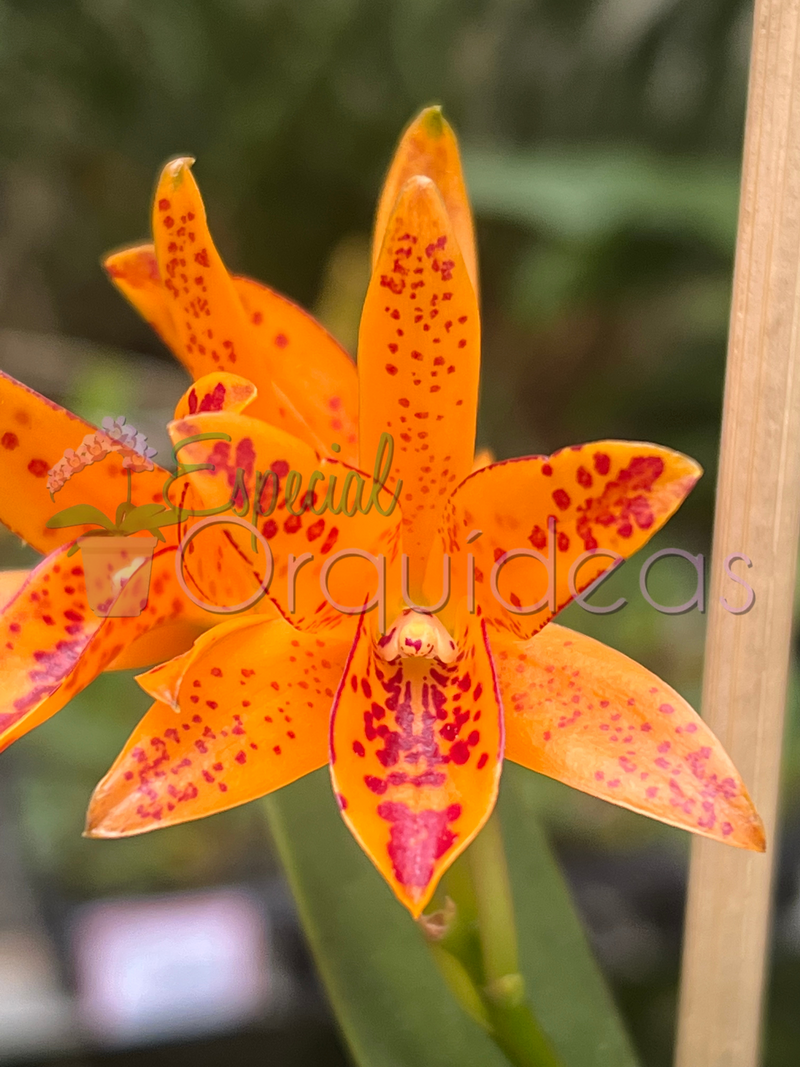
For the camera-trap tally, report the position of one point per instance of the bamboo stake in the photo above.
(758, 510)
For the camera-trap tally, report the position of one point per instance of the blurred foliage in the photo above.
(601, 141)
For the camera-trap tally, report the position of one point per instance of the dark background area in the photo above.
(601, 142)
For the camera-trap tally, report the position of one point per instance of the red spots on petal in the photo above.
(666, 709)
(163, 204)
(38, 468)
(330, 540)
(280, 340)
(403, 402)
(9, 440)
(547, 470)
(602, 463)
(561, 498)
(584, 477)
(483, 760)
(537, 537)
(315, 530)
(201, 257)
(391, 369)
(459, 752)
(562, 541)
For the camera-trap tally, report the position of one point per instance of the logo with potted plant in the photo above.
(116, 564)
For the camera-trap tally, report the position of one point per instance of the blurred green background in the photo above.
(601, 142)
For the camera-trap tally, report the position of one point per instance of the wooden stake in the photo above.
(758, 509)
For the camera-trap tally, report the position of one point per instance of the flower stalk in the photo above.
(476, 950)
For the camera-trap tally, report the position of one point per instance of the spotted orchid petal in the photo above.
(212, 327)
(243, 729)
(416, 755)
(54, 644)
(585, 714)
(419, 355)
(217, 391)
(606, 496)
(304, 363)
(163, 682)
(134, 271)
(308, 366)
(34, 435)
(265, 457)
(429, 148)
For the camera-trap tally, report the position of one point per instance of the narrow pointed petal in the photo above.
(585, 714)
(34, 433)
(609, 495)
(217, 391)
(134, 271)
(308, 366)
(214, 331)
(268, 458)
(419, 355)
(54, 645)
(416, 755)
(254, 710)
(212, 328)
(429, 148)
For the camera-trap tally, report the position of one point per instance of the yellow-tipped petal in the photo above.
(429, 148)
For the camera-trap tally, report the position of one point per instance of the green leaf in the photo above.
(388, 994)
(138, 518)
(565, 987)
(77, 515)
(169, 518)
(123, 510)
(148, 517)
(590, 194)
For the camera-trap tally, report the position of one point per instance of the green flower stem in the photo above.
(482, 894)
(486, 859)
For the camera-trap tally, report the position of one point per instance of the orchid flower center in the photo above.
(415, 634)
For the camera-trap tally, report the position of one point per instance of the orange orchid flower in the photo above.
(52, 645)
(415, 721)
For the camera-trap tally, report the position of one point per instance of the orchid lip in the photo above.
(416, 634)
